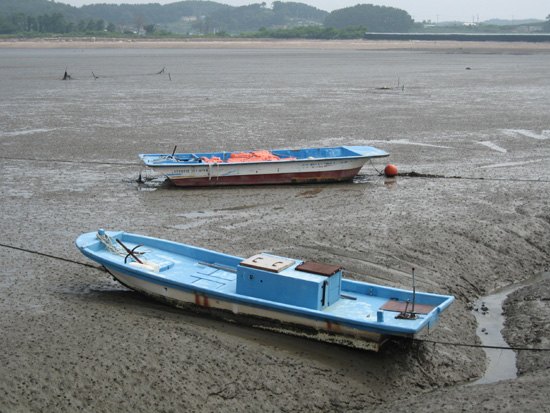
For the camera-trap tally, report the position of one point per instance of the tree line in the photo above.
(194, 17)
(310, 32)
(54, 23)
(57, 24)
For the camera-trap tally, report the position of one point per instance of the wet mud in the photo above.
(469, 211)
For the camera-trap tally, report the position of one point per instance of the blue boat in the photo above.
(285, 295)
(283, 166)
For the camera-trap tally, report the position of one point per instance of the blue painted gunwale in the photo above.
(301, 155)
(189, 257)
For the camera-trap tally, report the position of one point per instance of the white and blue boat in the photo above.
(285, 295)
(283, 166)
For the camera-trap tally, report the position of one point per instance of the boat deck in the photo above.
(283, 155)
(356, 306)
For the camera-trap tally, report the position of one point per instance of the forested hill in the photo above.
(375, 18)
(40, 7)
(215, 15)
(168, 13)
(203, 17)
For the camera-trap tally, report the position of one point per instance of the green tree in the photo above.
(52, 23)
(19, 20)
(31, 24)
(352, 32)
(100, 25)
(149, 28)
(81, 26)
(90, 26)
(6, 26)
(311, 32)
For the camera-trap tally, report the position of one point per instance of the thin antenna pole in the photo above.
(414, 292)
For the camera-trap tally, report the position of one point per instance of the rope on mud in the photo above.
(414, 174)
(68, 161)
(51, 256)
(481, 346)
(431, 176)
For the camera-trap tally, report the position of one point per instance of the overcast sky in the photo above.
(435, 10)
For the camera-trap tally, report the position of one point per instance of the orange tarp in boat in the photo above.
(258, 156)
(214, 159)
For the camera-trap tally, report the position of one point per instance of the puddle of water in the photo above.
(490, 320)
(502, 363)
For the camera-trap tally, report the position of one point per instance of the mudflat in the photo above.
(469, 211)
(235, 43)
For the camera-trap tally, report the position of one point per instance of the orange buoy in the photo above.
(390, 170)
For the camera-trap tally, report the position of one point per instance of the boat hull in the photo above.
(292, 167)
(259, 178)
(261, 318)
(276, 293)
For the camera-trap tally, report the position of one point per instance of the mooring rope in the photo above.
(445, 343)
(69, 161)
(110, 245)
(52, 256)
(374, 167)
(414, 174)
